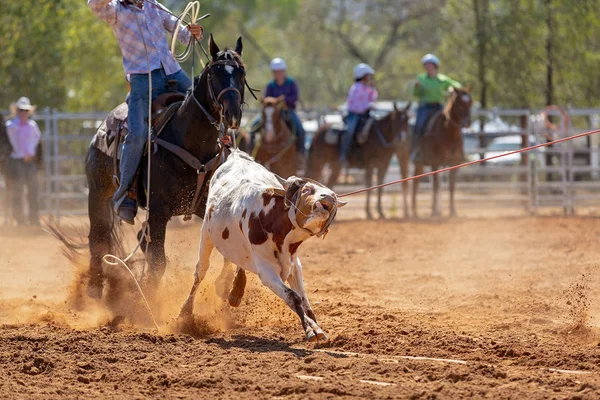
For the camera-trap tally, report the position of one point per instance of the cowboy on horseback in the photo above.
(430, 88)
(142, 49)
(283, 85)
(361, 97)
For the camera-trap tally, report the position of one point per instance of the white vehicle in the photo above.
(505, 144)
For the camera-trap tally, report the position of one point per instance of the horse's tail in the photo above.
(72, 248)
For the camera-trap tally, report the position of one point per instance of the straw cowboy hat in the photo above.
(22, 104)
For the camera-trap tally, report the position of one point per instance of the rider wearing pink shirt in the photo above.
(360, 98)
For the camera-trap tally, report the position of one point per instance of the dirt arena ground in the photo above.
(451, 308)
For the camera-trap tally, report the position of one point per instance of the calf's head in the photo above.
(312, 206)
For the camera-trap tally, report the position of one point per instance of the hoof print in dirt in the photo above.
(37, 366)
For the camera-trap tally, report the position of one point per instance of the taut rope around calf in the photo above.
(439, 171)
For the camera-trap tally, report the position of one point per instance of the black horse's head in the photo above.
(225, 80)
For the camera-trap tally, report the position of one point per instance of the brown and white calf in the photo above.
(257, 221)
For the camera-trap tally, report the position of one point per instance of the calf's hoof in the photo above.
(234, 301)
(187, 310)
(321, 336)
(313, 335)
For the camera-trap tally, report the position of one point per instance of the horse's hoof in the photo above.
(311, 336)
(369, 216)
(234, 301)
(94, 290)
(381, 215)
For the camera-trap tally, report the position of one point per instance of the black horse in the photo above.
(218, 96)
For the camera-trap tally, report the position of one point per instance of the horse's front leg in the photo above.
(453, 174)
(403, 160)
(155, 255)
(435, 212)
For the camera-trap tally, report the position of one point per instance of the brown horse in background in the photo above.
(442, 145)
(5, 151)
(276, 149)
(387, 137)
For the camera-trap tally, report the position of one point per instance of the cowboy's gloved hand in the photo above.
(196, 30)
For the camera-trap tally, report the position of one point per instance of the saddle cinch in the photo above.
(334, 133)
(113, 130)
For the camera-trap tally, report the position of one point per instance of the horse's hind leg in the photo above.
(403, 159)
(369, 183)
(381, 171)
(101, 224)
(453, 174)
(335, 168)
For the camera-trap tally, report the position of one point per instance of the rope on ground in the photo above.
(439, 171)
(114, 260)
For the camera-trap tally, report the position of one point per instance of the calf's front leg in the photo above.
(206, 247)
(296, 282)
(269, 276)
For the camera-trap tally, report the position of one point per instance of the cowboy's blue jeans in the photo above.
(137, 121)
(424, 113)
(352, 121)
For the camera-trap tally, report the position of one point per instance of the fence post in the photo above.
(56, 164)
(571, 175)
(594, 148)
(47, 160)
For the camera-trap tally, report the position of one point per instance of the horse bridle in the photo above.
(216, 100)
(449, 120)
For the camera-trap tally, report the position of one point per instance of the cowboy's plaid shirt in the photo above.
(153, 20)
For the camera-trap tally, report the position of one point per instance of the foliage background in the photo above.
(515, 53)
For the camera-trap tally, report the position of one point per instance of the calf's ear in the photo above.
(292, 186)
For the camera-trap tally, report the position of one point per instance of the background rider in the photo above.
(430, 89)
(361, 96)
(24, 136)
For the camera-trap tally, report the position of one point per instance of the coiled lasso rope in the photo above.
(191, 14)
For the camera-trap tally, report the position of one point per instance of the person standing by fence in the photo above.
(24, 136)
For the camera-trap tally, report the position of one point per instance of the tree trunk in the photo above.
(549, 71)
(481, 9)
